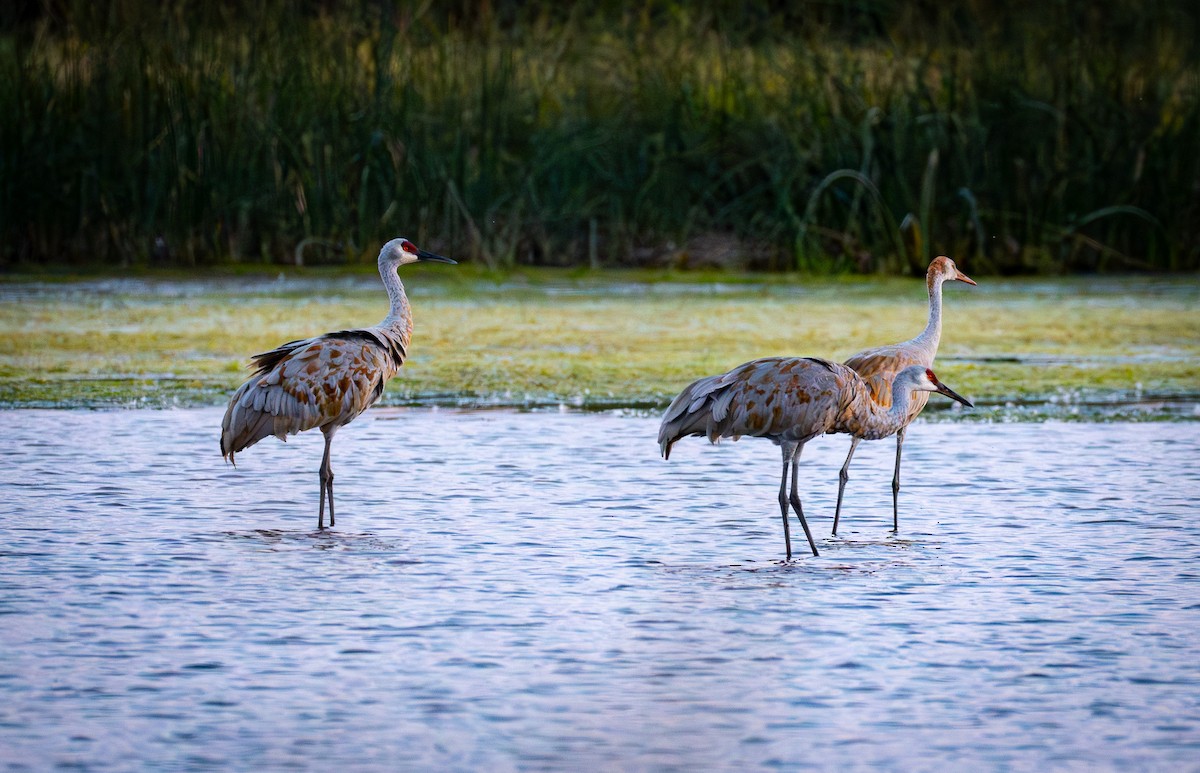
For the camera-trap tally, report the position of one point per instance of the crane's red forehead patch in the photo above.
(932, 377)
(408, 246)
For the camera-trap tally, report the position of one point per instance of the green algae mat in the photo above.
(1108, 347)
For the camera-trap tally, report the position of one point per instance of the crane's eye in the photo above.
(408, 246)
(932, 377)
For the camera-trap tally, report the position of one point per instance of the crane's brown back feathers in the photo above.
(879, 368)
(315, 382)
(782, 398)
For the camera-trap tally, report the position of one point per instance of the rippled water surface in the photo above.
(540, 591)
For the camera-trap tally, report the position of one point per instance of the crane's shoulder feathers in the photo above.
(886, 358)
(395, 344)
(391, 342)
(879, 368)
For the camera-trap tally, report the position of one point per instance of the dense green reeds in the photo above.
(866, 136)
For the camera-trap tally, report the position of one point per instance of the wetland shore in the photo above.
(1091, 347)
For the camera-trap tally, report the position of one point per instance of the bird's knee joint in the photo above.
(843, 476)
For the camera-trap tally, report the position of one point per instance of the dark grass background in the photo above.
(1017, 136)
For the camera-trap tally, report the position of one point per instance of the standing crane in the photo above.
(327, 381)
(789, 401)
(879, 366)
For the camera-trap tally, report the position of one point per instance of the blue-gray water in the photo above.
(525, 591)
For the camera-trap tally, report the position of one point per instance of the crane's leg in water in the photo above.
(795, 499)
(321, 512)
(844, 476)
(896, 482)
(783, 500)
(329, 482)
(326, 484)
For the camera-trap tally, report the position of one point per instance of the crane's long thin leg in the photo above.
(783, 500)
(329, 482)
(896, 482)
(321, 512)
(795, 499)
(326, 475)
(844, 476)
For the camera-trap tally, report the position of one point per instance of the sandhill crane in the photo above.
(790, 400)
(879, 366)
(325, 381)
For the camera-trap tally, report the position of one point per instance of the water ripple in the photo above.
(539, 591)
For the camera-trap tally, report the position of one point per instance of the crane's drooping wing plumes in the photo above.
(311, 383)
(781, 398)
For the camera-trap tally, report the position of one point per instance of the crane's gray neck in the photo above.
(879, 422)
(400, 313)
(931, 336)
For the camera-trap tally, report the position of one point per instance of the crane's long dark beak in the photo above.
(429, 256)
(964, 278)
(948, 392)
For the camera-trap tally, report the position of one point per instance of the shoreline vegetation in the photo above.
(1121, 347)
(826, 138)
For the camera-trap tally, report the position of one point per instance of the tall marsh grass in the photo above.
(867, 136)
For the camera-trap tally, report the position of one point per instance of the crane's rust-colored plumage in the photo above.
(327, 381)
(315, 382)
(786, 399)
(880, 366)
(790, 400)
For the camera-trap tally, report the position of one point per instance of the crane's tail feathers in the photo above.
(244, 424)
(227, 453)
(248, 419)
(698, 410)
(257, 427)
